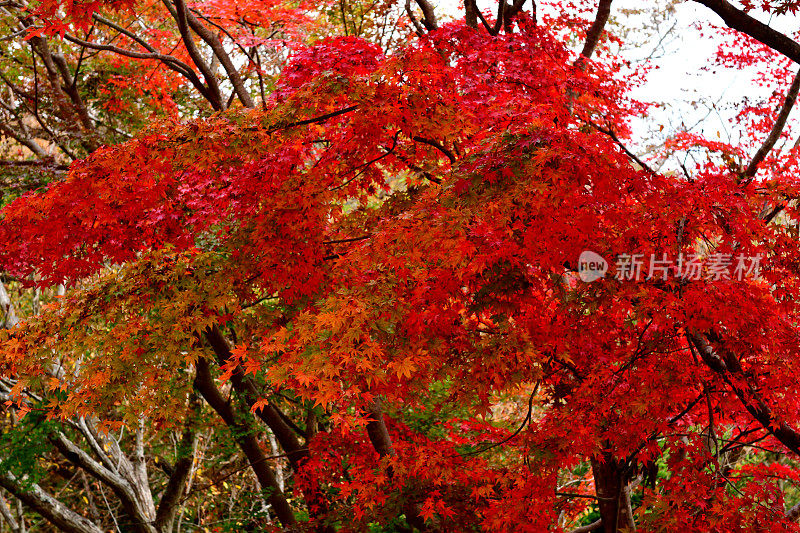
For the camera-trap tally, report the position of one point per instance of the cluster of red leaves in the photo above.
(461, 278)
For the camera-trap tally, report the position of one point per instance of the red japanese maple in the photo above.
(399, 233)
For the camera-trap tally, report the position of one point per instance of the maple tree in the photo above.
(354, 269)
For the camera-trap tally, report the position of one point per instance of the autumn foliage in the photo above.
(377, 264)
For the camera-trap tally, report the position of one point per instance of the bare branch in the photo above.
(501, 9)
(26, 141)
(125, 491)
(67, 94)
(8, 517)
(144, 44)
(420, 29)
(485, 23)
(428, 17)
(92, 437)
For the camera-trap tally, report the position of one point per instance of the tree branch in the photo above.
(741, 21)
(296, 452)
(169, 61)
(277, 421)
(171, 500)
(428, 15)
(511, 11)
(595, 31)
(29, 143)
(124, 31)
(219, 51)
(8, 517)
(776, 131)
(46, 505)
(793, 513)
(725, 363)
(314, 120)
(66, 93)
(436, 145)
(245, 437)
(179, 12)
(123, 488)
(382, 443)
(498, 23)
(419, 28)
(92, 437)
(613, 136)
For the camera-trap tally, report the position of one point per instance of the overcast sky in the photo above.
(698, 96)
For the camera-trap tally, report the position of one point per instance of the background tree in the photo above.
(356, 282)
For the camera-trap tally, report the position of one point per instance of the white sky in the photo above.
(698, 95)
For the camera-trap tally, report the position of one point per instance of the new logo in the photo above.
(591, 266)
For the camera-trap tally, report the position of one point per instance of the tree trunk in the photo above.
(610, 481)
(245, 437)
(296, 452)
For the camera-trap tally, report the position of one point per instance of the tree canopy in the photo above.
(353, 266)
